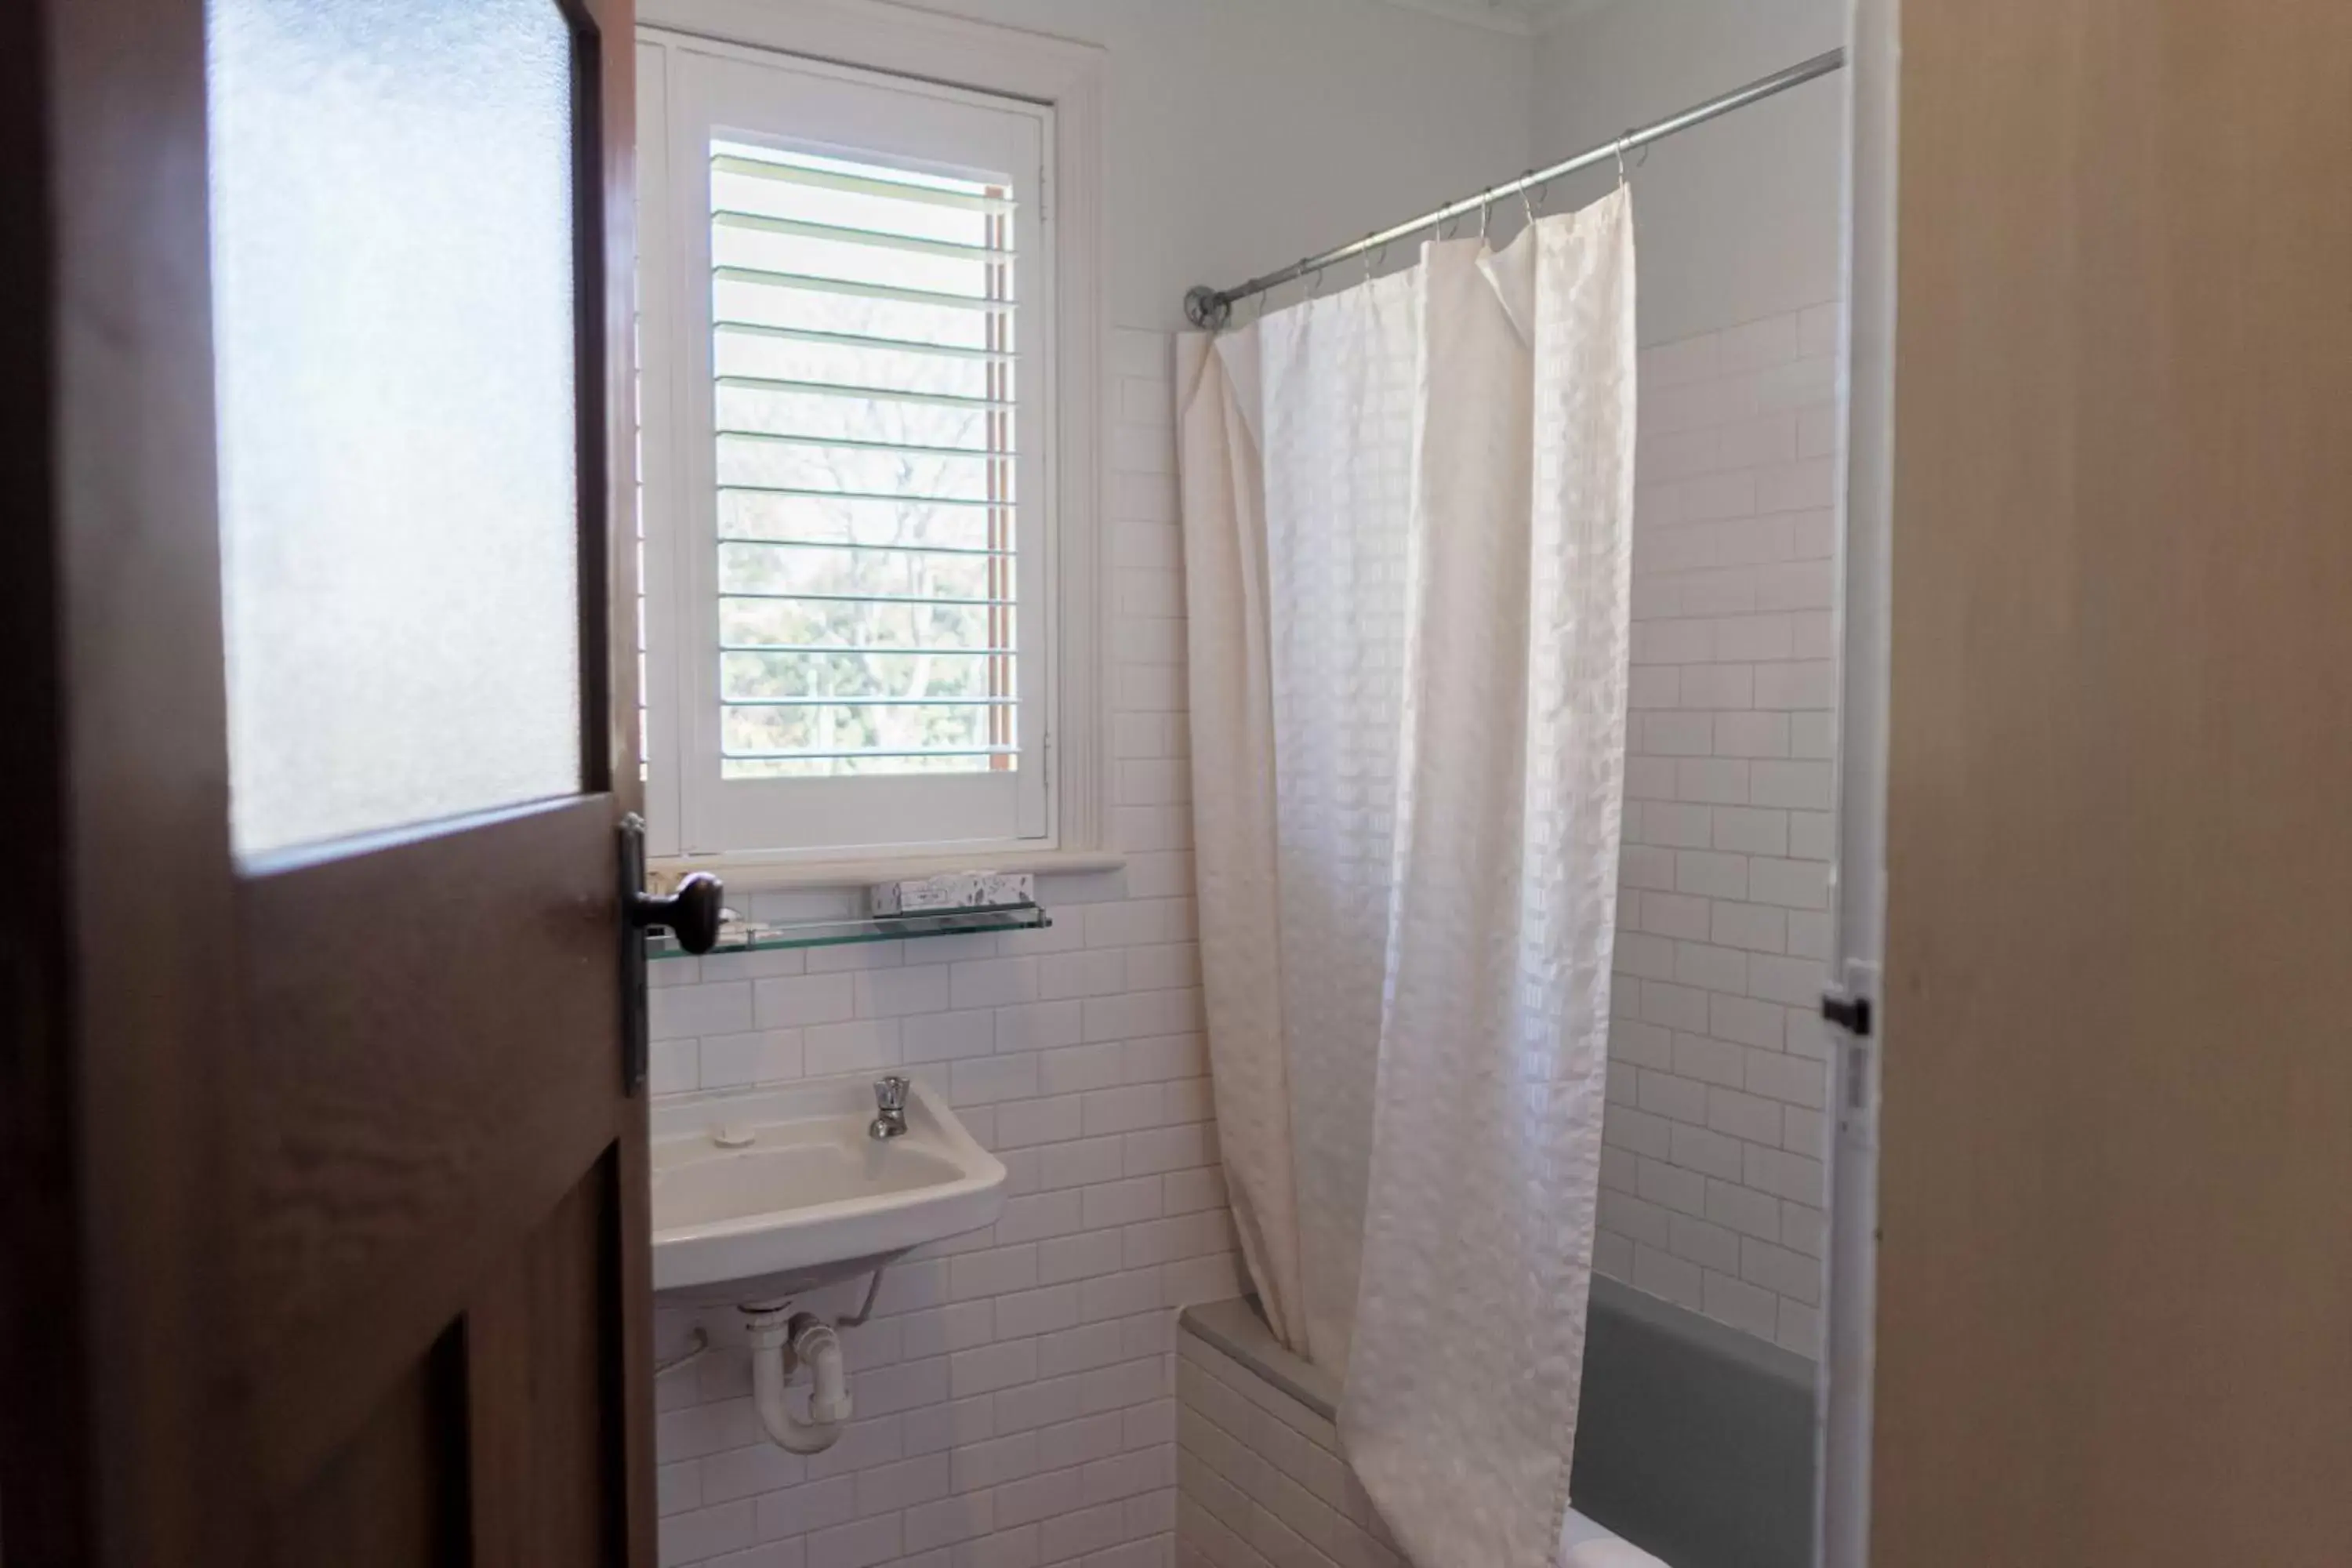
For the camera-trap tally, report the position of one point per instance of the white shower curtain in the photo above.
(1408, 512)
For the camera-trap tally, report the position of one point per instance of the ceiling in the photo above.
(1507, 15)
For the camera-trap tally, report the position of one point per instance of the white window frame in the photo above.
(951, 58)
(720, 92)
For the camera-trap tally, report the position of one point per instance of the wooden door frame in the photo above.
(1865, 532)
(122, 1438)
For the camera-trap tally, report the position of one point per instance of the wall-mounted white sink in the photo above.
(762, 1194)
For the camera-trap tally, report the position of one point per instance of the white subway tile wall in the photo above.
(1712, 1176)
(1016, 1388)
(1260, 1480)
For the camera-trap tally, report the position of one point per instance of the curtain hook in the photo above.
(1621, 160)
(1527, 183)
(1485, 209)
(1314, 284)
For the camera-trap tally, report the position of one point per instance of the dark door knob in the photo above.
(690, 914)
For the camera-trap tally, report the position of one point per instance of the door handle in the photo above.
(690, 914)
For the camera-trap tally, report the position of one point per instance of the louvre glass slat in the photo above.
(852, 624)
(866, 598)
(860, 546)
(941, 700)
(881, 394)
(858, 340)
(725, 488)
(869, 765)
(882, 239)
(869, 675)
(861, 650)
(859, 519)
(858, 184)
(848, 444)
(850, 288)
(837, 727)
(770, 570)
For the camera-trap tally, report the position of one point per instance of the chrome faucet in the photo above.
(890, 1108)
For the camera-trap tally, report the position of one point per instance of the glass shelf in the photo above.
(772, 936)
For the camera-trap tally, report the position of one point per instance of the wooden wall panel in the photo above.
(2115, 1282)
(542, 1354)
(391, 1496)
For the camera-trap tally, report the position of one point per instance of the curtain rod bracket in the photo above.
(1206, 308)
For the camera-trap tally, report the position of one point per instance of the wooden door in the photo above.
(2115, 1320)
(324, 1201)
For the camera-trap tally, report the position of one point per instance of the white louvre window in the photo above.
(848, 524)
(867, 509)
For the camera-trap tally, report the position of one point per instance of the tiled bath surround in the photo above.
(1260, 1477)
(1014, 1391)
(1711, 1166)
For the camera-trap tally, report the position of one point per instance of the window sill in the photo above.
(753, 874)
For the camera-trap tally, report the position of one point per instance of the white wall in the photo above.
(1738, 220)
(1246, 133)
(1712, 1182)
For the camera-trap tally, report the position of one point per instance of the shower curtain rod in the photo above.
(1211, 308)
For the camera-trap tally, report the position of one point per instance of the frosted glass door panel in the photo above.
(393, 301)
